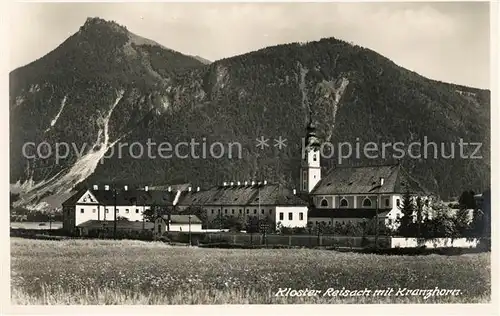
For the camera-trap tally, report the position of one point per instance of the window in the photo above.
(270, 211)
(82, 211)
(262, 211)
(232, 211)
(248, 211)
(315, 157)
(281, 216)
(93, 210)
(225, 211)
(159, 228)
(240, 211)
(301, 216)
(367, 202)
(117, 210)
(290, 216)
(343, 203)
(107, 210)
(255, 211)
(212, 211)
(397, 202)
(137, 211)
(386, 202)
(324, 203)
(126, 211)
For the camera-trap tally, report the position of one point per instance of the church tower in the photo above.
(310, 171)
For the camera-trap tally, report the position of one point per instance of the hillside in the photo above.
(105, 84)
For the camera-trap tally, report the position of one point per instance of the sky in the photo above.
(443, 41)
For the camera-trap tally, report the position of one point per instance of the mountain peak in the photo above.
(96, 22)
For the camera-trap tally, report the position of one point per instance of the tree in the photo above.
(151, 213)
(406, 221)
(419, 213)
(481, 221)
(467, 200)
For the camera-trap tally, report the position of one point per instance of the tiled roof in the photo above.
(365, 180)
(346, 213)
(263, 194)
(129, 197)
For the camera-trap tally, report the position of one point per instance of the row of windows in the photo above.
(366, 202)
(290, 216)
(127, 211)
(241, 211)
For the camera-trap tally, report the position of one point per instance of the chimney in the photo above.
(96, 187)
(198, 189)
(294, 191)
(189, 189)
(106, 187)
(169, 189)
(146, 188)
(265, 182)
(381, 181)
(125, 187)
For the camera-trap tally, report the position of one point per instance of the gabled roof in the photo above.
(366, 180)
(243, 195)
(129, 197)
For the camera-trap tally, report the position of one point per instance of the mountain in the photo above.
(105, 86)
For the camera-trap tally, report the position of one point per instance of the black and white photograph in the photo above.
(288, 153)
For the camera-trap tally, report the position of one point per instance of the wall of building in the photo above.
(402, 242)
(295, 212)
(354, 201)
(333, 221)
(85, 212)
(185, 228)
(240, 211)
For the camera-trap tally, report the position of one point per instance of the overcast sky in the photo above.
(443, 41)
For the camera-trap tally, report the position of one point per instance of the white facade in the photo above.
(242, 212)
(361, 201)
(291, 216)
(310, 173)
(185, 228)
(88, 208)
(161, 226)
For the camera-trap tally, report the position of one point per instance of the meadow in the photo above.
(135, 272)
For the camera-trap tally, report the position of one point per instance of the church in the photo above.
(346, 194)
(353, 193)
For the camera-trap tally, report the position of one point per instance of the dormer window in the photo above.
(344, 203)
(324, 203)
(367, 202)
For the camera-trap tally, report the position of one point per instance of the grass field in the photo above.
(134, 272)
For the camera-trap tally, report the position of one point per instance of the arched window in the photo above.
(343, 202)
(314, 157)
(367, 202)
(324, 203)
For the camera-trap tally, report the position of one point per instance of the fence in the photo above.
(298, 240)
